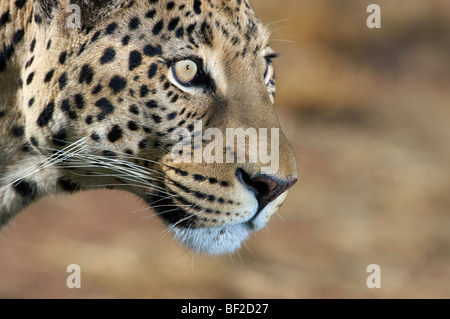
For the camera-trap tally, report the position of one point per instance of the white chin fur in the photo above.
(214, 241)
(228, 239)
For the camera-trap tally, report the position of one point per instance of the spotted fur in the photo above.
(96, 106)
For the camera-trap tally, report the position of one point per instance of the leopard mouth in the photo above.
(212, 240)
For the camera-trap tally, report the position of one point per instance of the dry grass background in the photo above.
(368, 112)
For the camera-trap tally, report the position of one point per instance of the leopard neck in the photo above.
(16, 34)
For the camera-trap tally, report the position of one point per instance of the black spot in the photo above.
(224, 184)
(95, 137)
(143, 144)
(89, 119)
(175, 98)
(73, 115)
(173, 24)
(199, 178)
(206, 32)
(152, 104)
(170, 5)
(26, 148)
(235, 40)
(134, 23)
(156, 118)
(126, 40)
(79, 101)
(111, 28)
(97, 89)
(86, 74)
(49, 44)
(109, 154)
(49, 75)
(96, 36)
(133, 126)
(135, 60)
(152, 70)
(26, 189)
(191, 28)
(18, 36)
(117, 84)
(62, 81)
(83, 47)
(115, 134)
(19, 3)
(172, 116)
(158, 27)
(180, 33)
(152, 51)
(31, 102)
(108, 56)
(18, 131)
(150, 14)
(5, 18)
(134, 109)
(213, 180)
(59, 138)
(144, 90)
(34, 141)
(37, 18)
(67, 185)
(105, 105)
(32, 45)
(28, 64)
(197, 7)
(30, 78)
(46, 115)
(62, 57)
(65, 105)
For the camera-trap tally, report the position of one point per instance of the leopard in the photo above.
(94, 93)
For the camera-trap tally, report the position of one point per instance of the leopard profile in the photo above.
(98, 105)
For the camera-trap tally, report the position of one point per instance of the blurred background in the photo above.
(368, 113)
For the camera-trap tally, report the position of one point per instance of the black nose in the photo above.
(266, 188)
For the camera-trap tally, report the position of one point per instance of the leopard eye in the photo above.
(185, 72)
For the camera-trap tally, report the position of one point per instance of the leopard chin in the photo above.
(226, 239)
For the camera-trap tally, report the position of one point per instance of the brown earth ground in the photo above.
(368, 112)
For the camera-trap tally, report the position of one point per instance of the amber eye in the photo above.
(185, 72)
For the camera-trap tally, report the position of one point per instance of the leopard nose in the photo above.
(266, 188)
